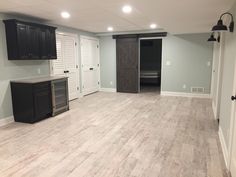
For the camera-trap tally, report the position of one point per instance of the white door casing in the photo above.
(232, 155)
(217, 69)
(90, 65)
(67, 62)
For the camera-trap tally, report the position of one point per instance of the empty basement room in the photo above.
(117, 88)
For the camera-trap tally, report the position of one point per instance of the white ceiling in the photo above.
(174, 16)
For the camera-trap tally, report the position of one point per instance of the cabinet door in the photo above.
(33, 38)
(52, 43)
(48, 44)
(22, 41)
(42, 100)
(44, 46)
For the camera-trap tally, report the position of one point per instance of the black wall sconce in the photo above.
(213, 39)
(220, 25)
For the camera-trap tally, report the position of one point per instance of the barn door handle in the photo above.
(233, 98)
(90, 68)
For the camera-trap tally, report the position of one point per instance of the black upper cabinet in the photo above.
(48, 43)
(30, 41)
(22, 43)
(33, 42)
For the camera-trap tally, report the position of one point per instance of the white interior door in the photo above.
(58, 66)
(90, 65)
(71, 66)
(67, 63)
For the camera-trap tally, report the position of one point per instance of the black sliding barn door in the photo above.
(127, 50)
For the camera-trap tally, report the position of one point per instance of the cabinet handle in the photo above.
(66, 71)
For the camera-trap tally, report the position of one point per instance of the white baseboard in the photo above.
(214, 110)
(224, 147)
(6, 121)
(183, 94)
(107, 90)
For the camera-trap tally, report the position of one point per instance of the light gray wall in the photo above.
(188, 54)
(11, 70)
(227, 83)
(108, 62)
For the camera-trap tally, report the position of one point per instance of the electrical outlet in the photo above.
(39, 71)
(111, 83)
(184, 86)
(209, 63)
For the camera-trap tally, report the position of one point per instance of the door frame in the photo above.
(216, 107)
(77, 59)
(232, 121)
(99, 62)
(148, 38)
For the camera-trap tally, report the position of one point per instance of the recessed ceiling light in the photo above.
(127, 9)
(110, 28)
(153, 26)
(65, 15)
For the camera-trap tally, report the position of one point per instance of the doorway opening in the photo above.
(150, 65)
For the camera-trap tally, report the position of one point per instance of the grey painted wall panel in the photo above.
(189, 55)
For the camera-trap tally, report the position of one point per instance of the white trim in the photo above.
(89, 37)
(224, 147)
(214, 109)
(183, 94)
(232, 127)
(107, 90)
(67, 34)
(6, 121)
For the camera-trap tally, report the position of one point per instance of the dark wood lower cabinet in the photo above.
(33, 102)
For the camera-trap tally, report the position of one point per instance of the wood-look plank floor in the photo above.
(117, 135)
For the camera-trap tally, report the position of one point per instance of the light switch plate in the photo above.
(168, 63)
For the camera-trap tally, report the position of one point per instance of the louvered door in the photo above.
(66, 63)
(71, 66)
(58, 66)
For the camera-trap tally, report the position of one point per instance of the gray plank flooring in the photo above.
(117, 135)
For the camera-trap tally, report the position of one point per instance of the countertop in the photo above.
(38, 79)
